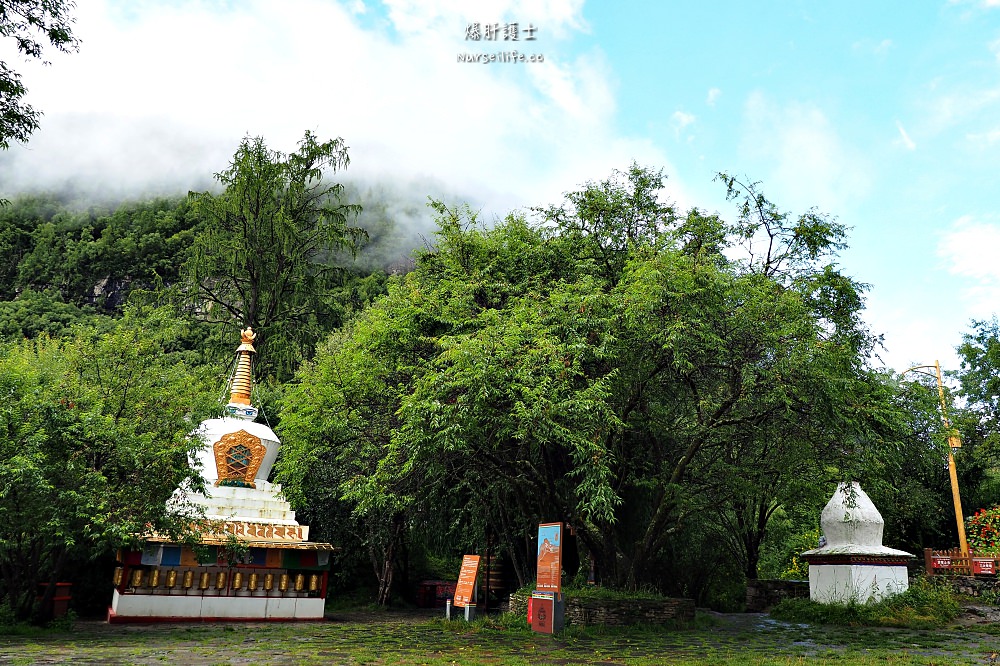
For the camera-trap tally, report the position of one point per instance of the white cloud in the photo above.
(553, 18)
(915, 332)
(948, 109)
(803, 155)
(904, 138)
(713, 95)
(989, 137)
(161, 92)
(679, 120)
(969, 248)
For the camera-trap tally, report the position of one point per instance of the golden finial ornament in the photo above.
(242, 382)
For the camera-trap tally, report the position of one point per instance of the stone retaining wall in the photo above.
(616, 612)
(971, 586)
(763, 594)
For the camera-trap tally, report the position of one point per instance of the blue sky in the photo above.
(886, 115)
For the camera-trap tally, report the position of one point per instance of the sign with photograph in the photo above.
(549, 578)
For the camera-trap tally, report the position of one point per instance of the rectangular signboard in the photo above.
(549, 578)
(542, 613)
(466, 588)
(983, 566)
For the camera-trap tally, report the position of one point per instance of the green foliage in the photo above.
(924, 605)
(93, 441)
(35, 313)
(599, 592)
(30, 24)
(263, 259)
(610, 367)
(234, 551)
(784, 561)
(93, 259)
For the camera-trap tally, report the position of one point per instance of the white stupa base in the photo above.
(262, 504)
(208, 608)
(861, 583)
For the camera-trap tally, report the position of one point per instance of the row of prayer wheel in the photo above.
(154, 578)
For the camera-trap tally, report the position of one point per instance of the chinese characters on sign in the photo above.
(492, 32)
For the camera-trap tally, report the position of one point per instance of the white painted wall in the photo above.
(197, 607)
(841, 583)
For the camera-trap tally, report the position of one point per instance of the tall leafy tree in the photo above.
(980, 370)
(612, 366)
(30, 24)
(265, 257)
(94, 438)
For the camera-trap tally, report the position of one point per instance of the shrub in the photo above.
(925, 605)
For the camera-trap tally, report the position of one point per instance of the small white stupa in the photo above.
(279, 574)
(854, 565)
(238, 460)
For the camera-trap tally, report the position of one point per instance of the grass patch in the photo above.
(925, 605)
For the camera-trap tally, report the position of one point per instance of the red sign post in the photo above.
(542, 614)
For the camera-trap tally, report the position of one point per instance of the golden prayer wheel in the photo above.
(300, 582)
(137, 578)
(283, 582)
(268, 582)
(188, 579)
(171, 578)
(238, 580)
(252, 582)
(220, 581)
(119, 575)
(203, 581)
(154, 577)
(313, 582)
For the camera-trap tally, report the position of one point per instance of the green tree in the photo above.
(264, 257)
(979, 373)
(30, 23)
(610, 366)
(94, 438)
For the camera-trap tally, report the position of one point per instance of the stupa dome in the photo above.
(237, 451)
(852, 525)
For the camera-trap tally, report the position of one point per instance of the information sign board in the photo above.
(542, 613)
(549, 578)
(984, 566)
(466, 588)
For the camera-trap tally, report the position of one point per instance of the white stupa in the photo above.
(282, 576)
(237, 460)
(854, 565)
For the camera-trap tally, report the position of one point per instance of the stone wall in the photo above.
(972, 586)
(616, 612)
(763, 594)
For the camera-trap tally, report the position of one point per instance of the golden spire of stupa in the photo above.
(239, 389)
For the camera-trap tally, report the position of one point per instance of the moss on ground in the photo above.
(415, 638)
